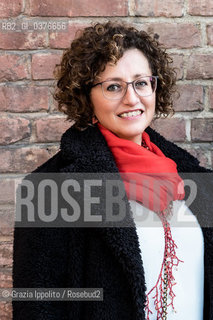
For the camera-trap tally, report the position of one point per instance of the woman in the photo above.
(112, 81)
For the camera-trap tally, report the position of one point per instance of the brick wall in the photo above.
(32, 39)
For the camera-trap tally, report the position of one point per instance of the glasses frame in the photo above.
(130, 82)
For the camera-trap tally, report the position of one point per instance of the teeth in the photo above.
(130, 114)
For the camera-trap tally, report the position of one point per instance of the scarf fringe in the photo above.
(170, 260)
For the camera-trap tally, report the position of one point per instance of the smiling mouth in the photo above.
(130, 114)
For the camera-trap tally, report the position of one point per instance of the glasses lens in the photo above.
(145, 86)
(113, 89)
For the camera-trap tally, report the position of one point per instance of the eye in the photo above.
(114, 87)
(141, 83)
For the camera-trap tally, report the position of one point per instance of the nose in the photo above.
(131, 97)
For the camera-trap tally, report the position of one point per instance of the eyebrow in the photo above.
(120, 79)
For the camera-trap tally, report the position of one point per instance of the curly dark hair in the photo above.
(87, 57)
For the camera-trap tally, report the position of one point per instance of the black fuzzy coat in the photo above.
(107, 258)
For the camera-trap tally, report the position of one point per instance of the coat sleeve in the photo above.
(47, 257)
(40, 261)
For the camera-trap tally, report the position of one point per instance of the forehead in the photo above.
(131, 63)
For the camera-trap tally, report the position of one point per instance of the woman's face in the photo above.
(110, 113)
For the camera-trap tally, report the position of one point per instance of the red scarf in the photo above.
(152, 179)
(155, 175)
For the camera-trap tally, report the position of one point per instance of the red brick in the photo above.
(211, 97)
(77, 8)
(152, 8)
(178, 63)
(44, 64)
(50, 129)
(200, 66)
(23, 98)
(6, 252)
(172, 129)
(7, 221)
(23, 40)
(62, 39)
(176, 35)
(5, 310)
(191, 98)
(7, 190)
(200, 154)
(201, 129)
(209, 30)
(6, 278)
(14, 67)
(53, 105)
(23, 160)
(10, 8)
(13, 130)
(200, 7)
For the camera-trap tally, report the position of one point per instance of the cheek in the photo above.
(151, 102)
(96, 100)
(104, 108)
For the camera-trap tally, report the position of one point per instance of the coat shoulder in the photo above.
(51, 165)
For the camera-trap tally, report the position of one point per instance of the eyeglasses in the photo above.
(115, 90)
